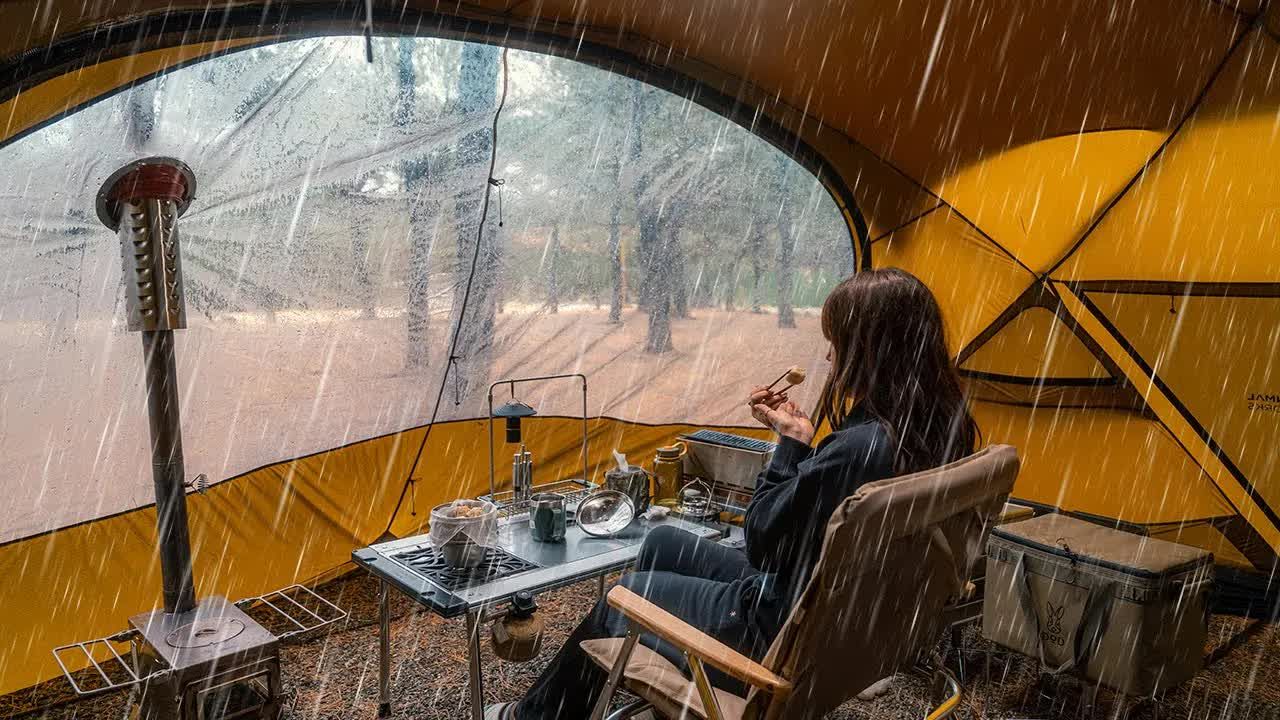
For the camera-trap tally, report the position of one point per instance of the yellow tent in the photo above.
(1089, 189)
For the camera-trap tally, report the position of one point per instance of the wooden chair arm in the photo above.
(695, 642)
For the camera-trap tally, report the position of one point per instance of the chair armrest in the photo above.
(695, 642)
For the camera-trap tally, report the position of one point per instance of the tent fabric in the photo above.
(1087, 187)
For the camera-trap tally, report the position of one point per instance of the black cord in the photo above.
(466, 294)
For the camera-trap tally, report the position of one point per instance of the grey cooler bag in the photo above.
(1126, 611)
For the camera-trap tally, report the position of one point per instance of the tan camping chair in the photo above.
(895, 554)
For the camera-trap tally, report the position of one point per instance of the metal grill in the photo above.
(429, 563)
(118, 672)
(292, 610)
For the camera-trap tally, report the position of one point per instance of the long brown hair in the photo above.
(890, 359)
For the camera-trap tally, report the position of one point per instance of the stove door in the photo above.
(250, 691)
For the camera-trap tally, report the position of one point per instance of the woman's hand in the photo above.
(787, 419)
(761, 397)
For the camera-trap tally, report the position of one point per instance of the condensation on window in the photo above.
(633, 236)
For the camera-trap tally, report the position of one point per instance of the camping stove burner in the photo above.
(204, 633)
(426, 561)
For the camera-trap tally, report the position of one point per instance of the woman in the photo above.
(893, 400)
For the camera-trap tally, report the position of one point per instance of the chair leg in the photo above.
(710, 705)
(630, 710)
(615, 673)
(957, 640)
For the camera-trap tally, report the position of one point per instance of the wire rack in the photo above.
(573, 490)
(115, 672)
(292, 610)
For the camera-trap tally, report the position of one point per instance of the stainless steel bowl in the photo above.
(604, 513)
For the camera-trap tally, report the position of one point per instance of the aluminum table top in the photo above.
(579, 557)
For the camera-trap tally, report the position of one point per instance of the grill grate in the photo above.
(430, 563)
(737, 442)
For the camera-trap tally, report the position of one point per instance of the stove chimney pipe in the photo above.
(142, 202)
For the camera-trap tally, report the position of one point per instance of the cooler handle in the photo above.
(1093, 623)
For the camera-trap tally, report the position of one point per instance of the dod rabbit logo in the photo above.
(1052, 634)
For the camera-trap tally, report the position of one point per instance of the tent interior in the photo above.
(1089, 190)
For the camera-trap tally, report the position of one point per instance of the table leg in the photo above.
(600, 587)
(384, 650)
(477, 678)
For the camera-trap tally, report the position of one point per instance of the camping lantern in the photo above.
(513, 410)
(522, 486)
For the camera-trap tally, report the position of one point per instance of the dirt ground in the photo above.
(334, 676)
(260, 388)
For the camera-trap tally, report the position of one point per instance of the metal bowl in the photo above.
(605, 513)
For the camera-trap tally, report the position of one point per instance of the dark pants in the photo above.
(699, 581)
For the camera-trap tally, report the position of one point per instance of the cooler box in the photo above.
(1123, 610)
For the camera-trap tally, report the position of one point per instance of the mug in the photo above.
(547, 517)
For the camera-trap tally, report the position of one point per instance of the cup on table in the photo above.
(547, 517)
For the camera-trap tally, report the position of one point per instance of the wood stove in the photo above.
(193, 660)
(220, 662)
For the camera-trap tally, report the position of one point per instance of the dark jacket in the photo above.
(795, 497)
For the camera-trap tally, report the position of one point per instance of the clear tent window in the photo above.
(325, 252)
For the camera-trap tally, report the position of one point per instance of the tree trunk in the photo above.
(418, 312)
(660, 283)
(553, 271)
(142, 115)
(731, 285)
(647, 249)
(786, 245)
(786, 270)
(406, 84)
(679, 282)
(615, 262)
(676, 267)
(360, 269)
(635, 145)
(756, 248)
(415, 171)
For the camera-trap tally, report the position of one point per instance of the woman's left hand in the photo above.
(788, 420)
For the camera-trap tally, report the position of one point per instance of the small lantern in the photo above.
(513, 411)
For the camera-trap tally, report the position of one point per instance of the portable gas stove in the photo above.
(430, 564)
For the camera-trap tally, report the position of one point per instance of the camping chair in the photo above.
(895, 554)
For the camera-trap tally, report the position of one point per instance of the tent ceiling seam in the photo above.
(1155, 156)
(1188, 288)
(1230, 7)
(1042, 294)
(903, 226)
